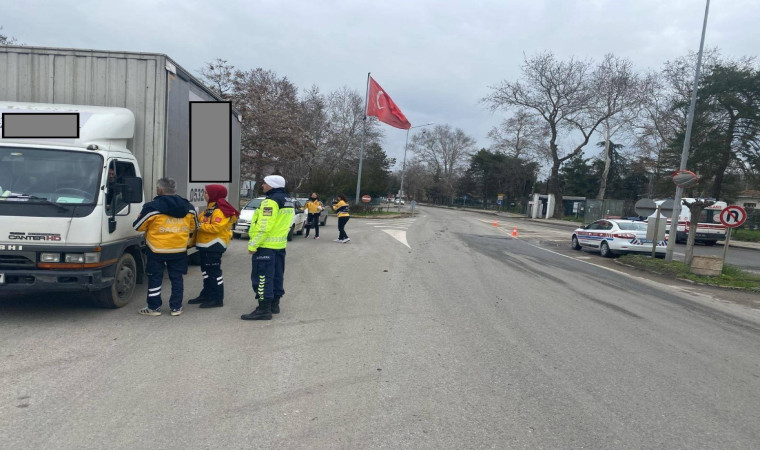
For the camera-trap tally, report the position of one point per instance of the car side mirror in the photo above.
(132, 189)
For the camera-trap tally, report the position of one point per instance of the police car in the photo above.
(616, 237)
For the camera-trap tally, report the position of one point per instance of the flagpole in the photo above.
(361, 148)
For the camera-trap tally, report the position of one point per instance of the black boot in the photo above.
(276, 305)
(199, 299)
(212, 304)
(263, 312)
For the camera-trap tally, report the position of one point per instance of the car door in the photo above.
(586, 237)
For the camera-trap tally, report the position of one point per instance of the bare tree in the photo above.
(219, 77)
(345, 113)
(696, 207)
(7, 40)
(521, 136)
(561, 93)
(617, 88)
(313, 121)
(271, 134)
(445, 151)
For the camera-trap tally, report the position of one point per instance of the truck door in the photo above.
(115, 205)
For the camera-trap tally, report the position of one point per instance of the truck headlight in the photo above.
(83, 258)
(50, 257)
(93, 257)
(75, 258)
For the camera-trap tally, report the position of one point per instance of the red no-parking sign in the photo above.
(733, 216)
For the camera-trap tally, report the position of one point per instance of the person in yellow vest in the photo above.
(314, 207)
(341, 207)
(212, 237)
(167, 221)
(268, 238)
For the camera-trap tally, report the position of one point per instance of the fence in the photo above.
(603, 209)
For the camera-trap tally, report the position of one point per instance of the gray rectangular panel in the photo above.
(40, 125)
(210, 142)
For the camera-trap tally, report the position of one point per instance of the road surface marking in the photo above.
(399, 235)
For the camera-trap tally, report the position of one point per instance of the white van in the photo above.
(709, 228)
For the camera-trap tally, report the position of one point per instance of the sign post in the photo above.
(732, 217)
(645, 208)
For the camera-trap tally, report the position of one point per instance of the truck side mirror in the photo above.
(133, 189)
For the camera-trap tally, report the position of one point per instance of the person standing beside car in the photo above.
(167, 221)
(314, 208)
(268, 238)
(214, 233)
(341, 208)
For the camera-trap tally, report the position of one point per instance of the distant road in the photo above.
(437, 331)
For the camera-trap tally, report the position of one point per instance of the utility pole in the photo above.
(686, 144)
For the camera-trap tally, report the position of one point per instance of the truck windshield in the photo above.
(44, 175)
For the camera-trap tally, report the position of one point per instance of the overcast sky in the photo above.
(436, 59)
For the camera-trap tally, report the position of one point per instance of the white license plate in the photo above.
(2, 278)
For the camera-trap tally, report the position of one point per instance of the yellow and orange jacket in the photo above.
(313, 206)
(342, 208)
(214, 230)
(168, 222)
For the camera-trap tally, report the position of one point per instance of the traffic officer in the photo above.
(314, 208)
(167, 221)
(268, 238)
(214, 233)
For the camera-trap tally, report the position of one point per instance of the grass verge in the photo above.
(732, 276)
(746, 235)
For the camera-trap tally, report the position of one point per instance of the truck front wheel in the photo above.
(120, 292)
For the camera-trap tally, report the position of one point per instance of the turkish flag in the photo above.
(380, 105)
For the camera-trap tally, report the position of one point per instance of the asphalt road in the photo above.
(438, 331)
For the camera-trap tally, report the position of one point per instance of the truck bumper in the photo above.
(32, 281)
(700, 237)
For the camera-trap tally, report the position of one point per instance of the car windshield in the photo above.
(632, 226)
(253, 204)
(61, 176)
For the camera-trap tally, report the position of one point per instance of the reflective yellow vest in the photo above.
(269, 226)
(214, 229)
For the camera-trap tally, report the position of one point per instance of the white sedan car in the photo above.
(616, 237)
(246, 214)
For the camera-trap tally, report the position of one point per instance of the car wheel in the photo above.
(290, 232)
(575, 245)
(120, 292)
(710, 243)
(605, 251)
(324, 222)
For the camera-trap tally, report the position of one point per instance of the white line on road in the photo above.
(399, 235)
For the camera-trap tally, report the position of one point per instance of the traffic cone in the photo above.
(496, 223)
(514, 232)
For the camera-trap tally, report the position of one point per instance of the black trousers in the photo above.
(313, 219)
(213, 281)
(268, 273)
(177, 268)
(342, 227)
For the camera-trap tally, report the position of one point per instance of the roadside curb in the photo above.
(684, 280)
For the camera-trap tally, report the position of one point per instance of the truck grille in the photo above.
(16, 262)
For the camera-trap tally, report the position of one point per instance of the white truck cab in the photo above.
(67, 207)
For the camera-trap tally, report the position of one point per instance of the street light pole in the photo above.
(403, 167)
(686, 143)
